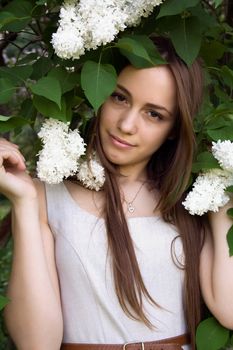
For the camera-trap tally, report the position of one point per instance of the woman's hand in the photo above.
(33, 284)
(15, 183)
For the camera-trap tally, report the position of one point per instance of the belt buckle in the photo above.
(126, 344)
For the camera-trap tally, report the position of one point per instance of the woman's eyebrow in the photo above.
(124, 89)
(149, 105)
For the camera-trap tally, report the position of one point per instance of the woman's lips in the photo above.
(120, 143)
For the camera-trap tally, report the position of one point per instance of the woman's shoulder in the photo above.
(48, 195)
(73, 186)
(89, 200)
(70, 191)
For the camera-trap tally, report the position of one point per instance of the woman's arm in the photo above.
(33, 316)
(216, 268)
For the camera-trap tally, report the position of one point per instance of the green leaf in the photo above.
(3, 301)
(207, 22)
(22, 11)
(140, 51)
(49, 88)
(28, 59)
(230, 211)
(216, 3)
(205, 161)
(173, 7)
(41, 2)
(218, 123)
(7, 89)
(227, 75)
(41, 67)
(67, 80)
(6, 18)
(212, 51)
(98, 82)
(11, 123)
(220, 93)
(230, 240)
(229, 189)
(50, 109)
(211, 335)
(17, 75)
(20, 8)
(186, 37)
(221, 134)
(4, 118)
(27, 109)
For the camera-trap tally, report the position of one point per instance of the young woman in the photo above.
(122, 265)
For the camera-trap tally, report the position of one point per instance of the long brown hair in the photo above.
(169, 170)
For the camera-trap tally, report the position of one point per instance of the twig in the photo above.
(210, 6)
(7, 39)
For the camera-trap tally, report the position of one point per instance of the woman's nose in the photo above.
(128, 122)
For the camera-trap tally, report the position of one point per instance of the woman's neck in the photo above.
(132, 175)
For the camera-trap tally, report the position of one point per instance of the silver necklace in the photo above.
(129, 204)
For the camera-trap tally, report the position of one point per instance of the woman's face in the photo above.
(138, 117)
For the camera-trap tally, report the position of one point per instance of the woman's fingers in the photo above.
(8, 143)
(10, 156)
(11, 159)
(15, 183)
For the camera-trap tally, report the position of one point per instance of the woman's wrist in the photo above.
(25, 206)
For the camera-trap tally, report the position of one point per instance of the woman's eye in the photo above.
(118, 97)
(155, 114)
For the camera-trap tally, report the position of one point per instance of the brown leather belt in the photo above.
(174, 343)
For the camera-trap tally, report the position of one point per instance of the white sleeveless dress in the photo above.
(91, 311)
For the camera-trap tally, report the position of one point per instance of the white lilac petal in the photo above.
(74, 144)
(54, 165)
(208, 193)
(140, 8)
(68, 13)
(52, 128)
(87, 24)
(68, 42)
(62, 149)
(91, 174)
(104, 19)
(223, 152)
(225, 176)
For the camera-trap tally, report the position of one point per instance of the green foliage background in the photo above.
(35, 84)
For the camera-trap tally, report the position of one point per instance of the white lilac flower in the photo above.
(223, 152)
(103, 18)
(52, 125)
(139, 8)
(91, 174)
(208, 193)
(53, 165)
(68, 41)
(62, 149)
(87, 24)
